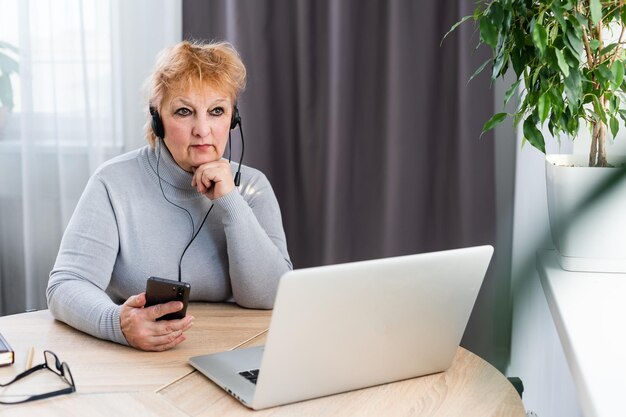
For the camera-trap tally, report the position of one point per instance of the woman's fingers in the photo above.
(159, 310)
(165, 327)
(136, 301)
(167, 335)
(213, 179)
(170, 344)
(141, 329)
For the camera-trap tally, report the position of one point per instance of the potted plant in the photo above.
(568, 56)
(8, 66)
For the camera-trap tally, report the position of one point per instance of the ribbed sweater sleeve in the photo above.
(76, 289)
(257, 248)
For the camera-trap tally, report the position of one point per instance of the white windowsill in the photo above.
(589, 311)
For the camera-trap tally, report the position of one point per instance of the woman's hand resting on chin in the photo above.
(213, 179)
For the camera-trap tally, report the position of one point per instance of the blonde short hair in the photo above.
(191, 65)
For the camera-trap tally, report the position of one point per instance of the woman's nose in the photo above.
(201, 127)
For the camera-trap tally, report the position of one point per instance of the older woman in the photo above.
(140, 210)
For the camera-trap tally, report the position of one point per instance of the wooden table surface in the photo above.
(114, 380)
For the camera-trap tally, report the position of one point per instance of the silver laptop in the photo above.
(342, 327)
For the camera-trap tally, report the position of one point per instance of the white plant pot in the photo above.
(595, 240)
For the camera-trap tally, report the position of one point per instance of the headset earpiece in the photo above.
(236, 119)
(157, 123)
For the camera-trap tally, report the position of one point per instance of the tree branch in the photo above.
(621, 38)
(590, 60)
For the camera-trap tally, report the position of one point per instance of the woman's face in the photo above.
(196, 126)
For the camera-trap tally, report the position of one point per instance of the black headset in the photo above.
(159, 131)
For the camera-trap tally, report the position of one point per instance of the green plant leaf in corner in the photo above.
(574, 41)
(543, 106)
(488, 32)
(558, 14)
(454, 27)
(512, 90)
(614, 126)
(560, 58)
(493, 122)
(540, 38)
(8, 64)
(479, 70)
(607, 49)
(6, 45)
(618, 73)
(573, 87)
(599, 110)
(596, 11)
(6, 91)
(533, 135)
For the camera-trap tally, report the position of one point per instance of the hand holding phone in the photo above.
(161, 290)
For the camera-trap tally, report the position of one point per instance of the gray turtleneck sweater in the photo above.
(123, 231)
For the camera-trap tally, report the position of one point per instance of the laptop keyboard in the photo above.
(251, 375)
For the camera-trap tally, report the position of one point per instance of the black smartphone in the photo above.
(161, 290)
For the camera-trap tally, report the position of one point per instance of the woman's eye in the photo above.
(183, 111)
(218, 111)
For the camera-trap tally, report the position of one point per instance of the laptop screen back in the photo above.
(342, 327)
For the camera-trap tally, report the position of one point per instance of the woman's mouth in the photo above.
(202, 147)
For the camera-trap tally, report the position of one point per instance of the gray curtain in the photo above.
(367, 129)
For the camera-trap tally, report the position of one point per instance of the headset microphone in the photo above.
(236, 120)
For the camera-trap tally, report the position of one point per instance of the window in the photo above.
(65, 88)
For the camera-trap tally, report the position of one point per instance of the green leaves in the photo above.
(479, 70)
(573, 87)
(603, 74)
(543, 106)
(8, 65)
(596, 11)
(617, 70)
(614, 126)
(533, 135)
(6, 91)
(599, 109)
(501, 58)
(488, 32)
(571, 75)
(493, 122)
(456, 25)
(573, 40)
(558, 14)
(540, 37)
(607, 49)
(512, 90)
(560, 58)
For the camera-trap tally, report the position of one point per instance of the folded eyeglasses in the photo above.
(53, 364)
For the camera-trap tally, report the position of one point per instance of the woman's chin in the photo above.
(196, 162)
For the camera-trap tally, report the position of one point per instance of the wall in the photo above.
(536, 353)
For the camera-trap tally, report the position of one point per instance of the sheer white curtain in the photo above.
(78, 102)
